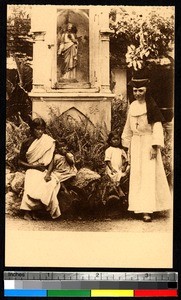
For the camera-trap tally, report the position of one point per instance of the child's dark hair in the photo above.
(111, 135)
(59, 142)
(36, 123)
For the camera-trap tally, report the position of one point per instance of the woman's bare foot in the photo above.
(27, 216)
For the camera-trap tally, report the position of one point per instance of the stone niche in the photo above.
(71, 67)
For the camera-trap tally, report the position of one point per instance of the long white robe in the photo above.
(36, 190)
(148, 190)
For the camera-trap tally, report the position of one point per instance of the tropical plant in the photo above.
(85, 140)
(19, 59)
(15, 135)
(141, 35)
(19, 43)
(119, 109)
(167, 154)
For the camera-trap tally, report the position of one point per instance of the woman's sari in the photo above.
(38, 192)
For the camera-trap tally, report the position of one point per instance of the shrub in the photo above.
(86, 141)
(15, 135)
(167, 153)
(119, 113)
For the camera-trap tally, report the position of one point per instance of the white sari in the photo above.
(36, 190)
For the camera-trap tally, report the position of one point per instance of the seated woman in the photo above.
(41, 185)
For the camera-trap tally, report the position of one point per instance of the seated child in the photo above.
(116, 161)
(64, 164)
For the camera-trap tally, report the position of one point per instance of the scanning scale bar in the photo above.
(93, 276)
(90, 284)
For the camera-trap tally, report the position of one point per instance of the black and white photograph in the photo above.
(89, 136)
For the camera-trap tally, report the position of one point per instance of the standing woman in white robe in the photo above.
(143, 136)
(41, 185)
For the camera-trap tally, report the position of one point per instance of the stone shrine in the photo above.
(71, 67)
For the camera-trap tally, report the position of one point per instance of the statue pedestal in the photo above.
(92, 107)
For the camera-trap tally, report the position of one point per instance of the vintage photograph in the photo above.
(89, 136)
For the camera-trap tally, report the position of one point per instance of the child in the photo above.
(64, 164)
(116, 160)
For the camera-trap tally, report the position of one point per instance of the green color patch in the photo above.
(69, 293)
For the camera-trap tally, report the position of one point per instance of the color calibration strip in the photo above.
(90, 293)
(90, 284)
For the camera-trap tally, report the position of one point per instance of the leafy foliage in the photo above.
(15, 135)
(19, 59)
(18, 27)
(167, 153)
(18, 103)
(140, 36)
(84, 140)
(119, 113)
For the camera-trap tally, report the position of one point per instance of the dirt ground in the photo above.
(162, 222)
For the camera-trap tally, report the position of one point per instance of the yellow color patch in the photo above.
(112, 293)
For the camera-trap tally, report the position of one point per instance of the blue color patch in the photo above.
(25, 293)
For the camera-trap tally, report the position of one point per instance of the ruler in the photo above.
(90, 284)
(95, 276)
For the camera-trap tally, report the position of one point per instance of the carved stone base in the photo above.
(94, 107)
